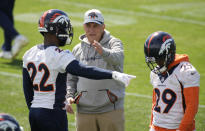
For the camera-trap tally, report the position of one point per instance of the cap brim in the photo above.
(94, 21)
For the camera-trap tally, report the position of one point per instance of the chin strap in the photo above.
(163, 69)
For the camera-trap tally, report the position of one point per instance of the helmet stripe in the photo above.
(54, 16)
(149, 43)
(42, 20)
(153, 35)
(166, 37)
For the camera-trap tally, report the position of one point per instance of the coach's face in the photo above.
(94, 31)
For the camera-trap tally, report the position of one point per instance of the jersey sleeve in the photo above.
(27, 87)
(90, 72)
(189, 75)
(24, 59)
(24, 63)
(191, 96)
(64, 59)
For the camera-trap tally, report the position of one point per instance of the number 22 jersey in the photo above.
(46, 79)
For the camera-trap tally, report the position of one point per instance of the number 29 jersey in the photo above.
(170, 105)
(46, 67)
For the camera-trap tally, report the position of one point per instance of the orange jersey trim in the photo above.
(153, 104)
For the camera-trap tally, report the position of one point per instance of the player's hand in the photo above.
(97, 47)
(68, 106)
(122, 77)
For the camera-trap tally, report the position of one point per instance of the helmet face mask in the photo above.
(65, 35)
(159, 50)
(156, 65)
(56, 22)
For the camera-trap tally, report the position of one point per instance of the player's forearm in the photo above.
(78, 69)
(188, 120)
(192, 100)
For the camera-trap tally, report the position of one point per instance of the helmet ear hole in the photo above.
(51, 28)
(9, 129)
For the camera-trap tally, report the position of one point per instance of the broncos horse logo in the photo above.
(59, 18)
(165, 46)
(92, 15)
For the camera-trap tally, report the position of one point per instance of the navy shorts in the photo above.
(42, 119)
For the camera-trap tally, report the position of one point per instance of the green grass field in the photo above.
(131, 21)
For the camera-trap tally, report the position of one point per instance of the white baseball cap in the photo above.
(93, 15)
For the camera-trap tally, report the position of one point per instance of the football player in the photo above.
(45, 68)
(175, 84)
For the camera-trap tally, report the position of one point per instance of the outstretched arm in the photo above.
(91, 72)
(78, 69)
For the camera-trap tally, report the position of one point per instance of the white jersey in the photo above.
(46, 67)
(169, 109)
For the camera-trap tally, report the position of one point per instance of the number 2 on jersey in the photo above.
(40, 86)
(168, 101)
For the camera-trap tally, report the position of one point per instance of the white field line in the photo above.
(10, 74)
(110, 19)
(150, 97)
(174, 6)
(129, 94)
(196, 13)
(138, 95)
(125, 12)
